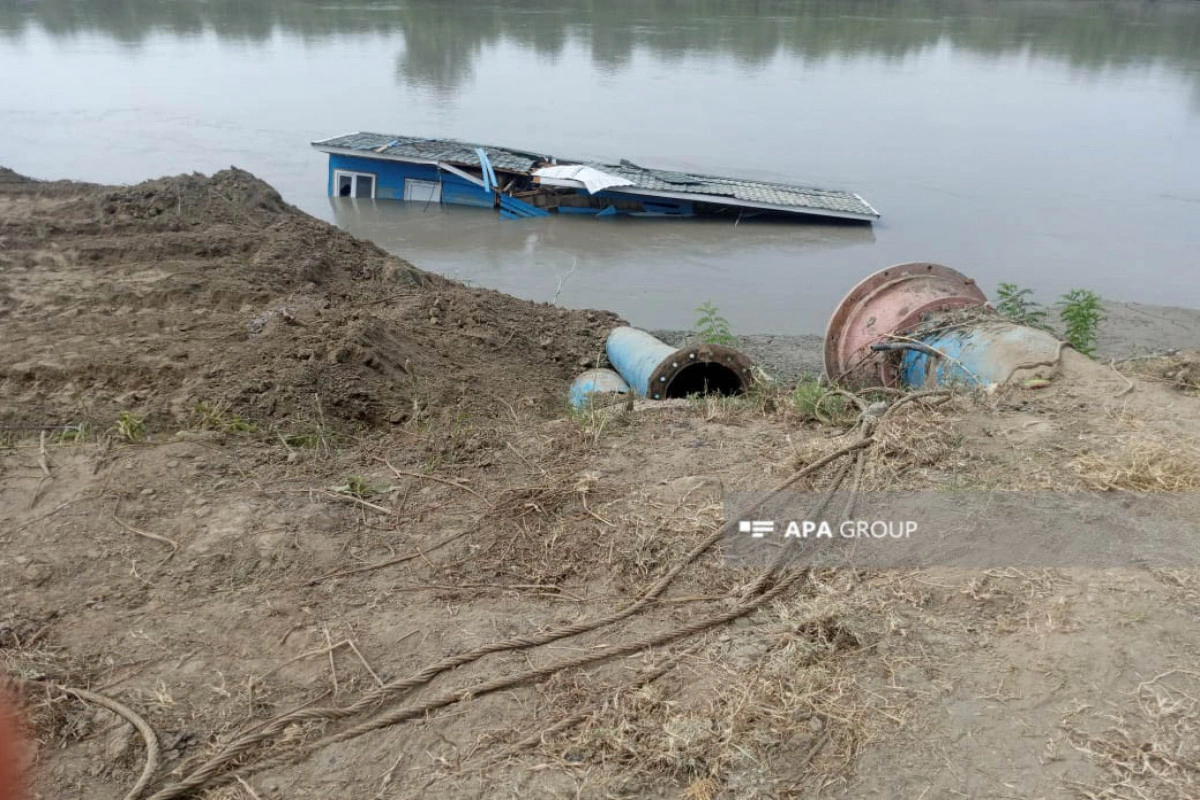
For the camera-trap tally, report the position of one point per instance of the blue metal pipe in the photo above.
(595, 382)
(636, 355)
(654, 369)
(977, 355)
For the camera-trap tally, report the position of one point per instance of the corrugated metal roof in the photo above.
(780, 194)
(829, 201)
(447, 150)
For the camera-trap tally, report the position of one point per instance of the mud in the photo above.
(152, 299)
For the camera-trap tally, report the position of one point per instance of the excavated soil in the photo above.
(352, 474)
(154, 298)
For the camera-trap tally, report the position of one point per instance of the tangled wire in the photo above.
(230, 763)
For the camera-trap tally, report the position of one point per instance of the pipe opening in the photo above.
(705, 377)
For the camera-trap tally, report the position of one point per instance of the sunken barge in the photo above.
(522, 185)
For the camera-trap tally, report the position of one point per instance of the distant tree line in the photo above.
(442, 39)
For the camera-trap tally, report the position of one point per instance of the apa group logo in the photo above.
(822, 529)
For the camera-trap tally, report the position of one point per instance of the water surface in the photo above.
(1051, 144)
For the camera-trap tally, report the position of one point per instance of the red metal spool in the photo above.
(890, 301)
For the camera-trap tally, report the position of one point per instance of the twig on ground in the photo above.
(540, 737)
(43, 462)
(365, 663)
(152, 536)
(388, 776)
(216, 771)
(309, 654)
(249, 789)
(1129, 385)
(389, 562)
(405, 473)
(909, 398)
(358, 501)
(332, 665)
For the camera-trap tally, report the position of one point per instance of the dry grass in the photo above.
(1181, 371)
(1149, 746)
(1142, 465)
(758, 712)
(916, 439)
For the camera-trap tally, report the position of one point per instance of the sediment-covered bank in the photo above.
(154, 298)
(360, 548)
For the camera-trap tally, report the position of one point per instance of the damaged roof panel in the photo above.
(445, 150)
(777, 194)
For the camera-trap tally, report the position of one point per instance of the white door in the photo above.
(422, 191)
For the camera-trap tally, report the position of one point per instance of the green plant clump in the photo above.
(217, 417)
(712, 327)
(73, 434)
(1081, 313)
(1079, 310)
(357, 486)
(815, 403)
(131, 427)
(1017, 304)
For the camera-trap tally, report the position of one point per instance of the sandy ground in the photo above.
(322, 522)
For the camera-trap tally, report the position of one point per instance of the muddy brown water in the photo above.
(1051, 144)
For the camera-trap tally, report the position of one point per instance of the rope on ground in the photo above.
(667, 665)
(406, 713)
(120, 709)
(208, 772)
(1050, 362)
(909, 398)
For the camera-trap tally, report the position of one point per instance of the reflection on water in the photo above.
(443, 41)
(1051, 143)
(654, 271)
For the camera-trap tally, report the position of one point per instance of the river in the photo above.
(1049, 144)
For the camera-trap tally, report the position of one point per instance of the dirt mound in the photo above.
(231, 196)
(179, 292)
(8, 176)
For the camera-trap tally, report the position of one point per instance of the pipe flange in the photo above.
(890, 301)
(664, 375)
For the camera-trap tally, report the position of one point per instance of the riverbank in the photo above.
(1129, 330)
(323, 522)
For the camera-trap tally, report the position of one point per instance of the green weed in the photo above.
(311, 434)
(218, 417)
(1017, 304)
(712, 328)
(73, 434)
(815, 403)
(1079, 310)
(131, 427)
(357, 486)
(1081, 313)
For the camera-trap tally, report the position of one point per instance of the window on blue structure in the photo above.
(353, 184)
